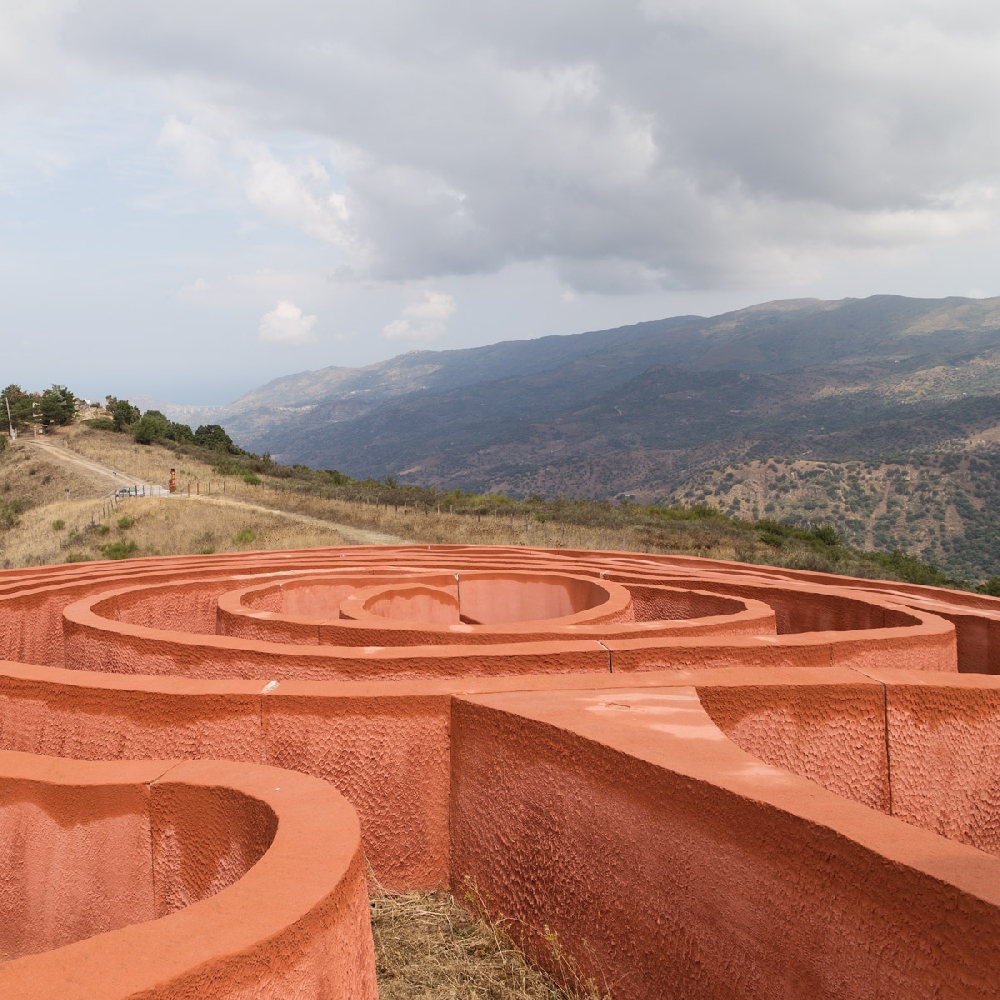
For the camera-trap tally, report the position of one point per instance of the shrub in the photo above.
(126, 522)
(103, 529)
(827, 534)
(206, 552)
(991, 587)
(909, 568)
(9, 512)
(100, 423)
(244, 537)
(58, 525)
(78, 557)
(118, 550)
(251, 480)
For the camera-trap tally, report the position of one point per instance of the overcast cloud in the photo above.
(401, 174)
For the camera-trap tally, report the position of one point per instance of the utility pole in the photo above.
(10, 423)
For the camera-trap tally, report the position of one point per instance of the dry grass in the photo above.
(160, 526)
(150, 463)
(428, 948)
(26, 474)
(153, 463)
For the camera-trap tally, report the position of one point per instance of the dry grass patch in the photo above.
(30, 476)
(151, 526)
(150, 463)
(436, 526)
(428, 948)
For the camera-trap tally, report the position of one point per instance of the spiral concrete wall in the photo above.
(192, 879)
(705, 779)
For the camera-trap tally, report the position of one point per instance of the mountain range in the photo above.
(643, 409)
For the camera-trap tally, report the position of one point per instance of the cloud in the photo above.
(194, 291)
(423, 321)
(286, 325)
(297, 194)
(663, 144)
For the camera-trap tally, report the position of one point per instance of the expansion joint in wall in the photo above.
(885, 730)
(611, 666)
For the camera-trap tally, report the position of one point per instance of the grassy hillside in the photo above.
(429, 515)
(40, 523)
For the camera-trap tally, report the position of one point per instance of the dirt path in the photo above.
(117, 479)
(355, 536)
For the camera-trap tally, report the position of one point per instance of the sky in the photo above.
(196, 198)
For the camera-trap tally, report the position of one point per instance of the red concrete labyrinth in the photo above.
(707, 779)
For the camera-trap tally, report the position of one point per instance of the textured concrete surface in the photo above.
(707, 779)
(161, 879)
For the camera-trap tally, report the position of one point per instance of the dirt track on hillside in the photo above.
(54, 452)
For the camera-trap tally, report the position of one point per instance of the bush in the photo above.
(58, 525)
(827, 534)
(9, 512)
(991, 587)
(118, 550)
(100, 423)
(78, 557)
(251, 480)
(244, 537)
(126, 522)
(103, 529)
(909, 568)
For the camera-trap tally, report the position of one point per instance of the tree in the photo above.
(20, 402)
(180, 433)
(213, 436)
(57, 406)
(154, 426)
(123, 413)
(150, 427)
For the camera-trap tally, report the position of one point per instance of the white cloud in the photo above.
(286, 325)
(423, 321)
(628, 148)
(297, 194)
(194, 291)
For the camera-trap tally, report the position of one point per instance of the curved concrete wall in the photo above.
(585, 736)
(148, 878)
